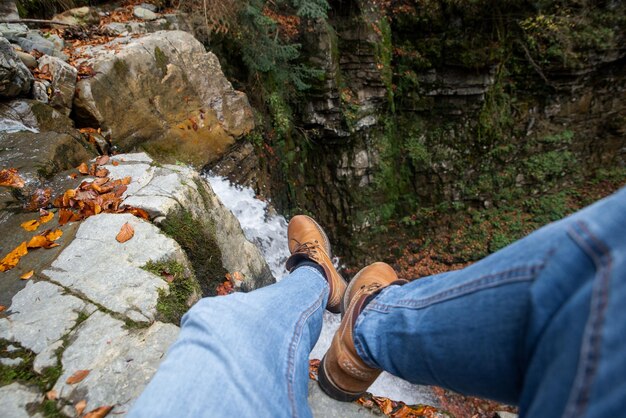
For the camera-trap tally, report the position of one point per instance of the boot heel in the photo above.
(330, 388)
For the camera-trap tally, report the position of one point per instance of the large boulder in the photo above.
(184, 205)
(163, 93)
(15, 79)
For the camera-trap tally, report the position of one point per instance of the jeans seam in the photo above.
(293, 346)
(518, 274)
(358, 346)
(591, 344)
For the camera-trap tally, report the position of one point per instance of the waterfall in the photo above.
(269, 232)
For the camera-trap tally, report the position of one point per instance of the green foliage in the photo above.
(183, 289)
(549, 166)
(281, 114)
(197, 238)
(312, 9)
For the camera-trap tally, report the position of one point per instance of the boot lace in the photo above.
(311, 249)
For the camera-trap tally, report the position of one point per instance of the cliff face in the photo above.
(452, 107)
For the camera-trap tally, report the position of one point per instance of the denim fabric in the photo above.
(242, 355)
(541, 323)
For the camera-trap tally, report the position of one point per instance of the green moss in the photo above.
(161, 60)
(50, 409)
(183, 289)
(197, 238)
(24, 372)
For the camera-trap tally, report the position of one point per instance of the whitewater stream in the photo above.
(269, 232)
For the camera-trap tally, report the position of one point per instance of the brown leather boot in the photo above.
(342, 374)
(307, 241)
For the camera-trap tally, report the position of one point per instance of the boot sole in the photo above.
(331, 389)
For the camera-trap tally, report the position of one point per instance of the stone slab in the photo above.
(41, 315)
(110, 273)
(121, 361)
(15, 399)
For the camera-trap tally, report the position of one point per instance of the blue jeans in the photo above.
(540, 324)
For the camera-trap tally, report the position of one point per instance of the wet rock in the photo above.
(15, 79)
(112, 274)
(167, 190)
(41, 314)
(63, 83)
(15, 399)
(165, 93)
(121, 361)
(144, 14)
(80, 16)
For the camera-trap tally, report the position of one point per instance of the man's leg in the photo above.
(243, 355)
(539, 323)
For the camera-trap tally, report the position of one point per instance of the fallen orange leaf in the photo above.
(54, 235)
(30, 225)
(27, 275)
(99, 412)
(38, 199)
(77, 377)
(102, 160)
(3, 308)
(46, 218)
(51, 395)
(101, 172)
(12, 258)
(83, 168)
(115, 163)
(38, 241)
(126, 233)
(80, 407)
(10, 178)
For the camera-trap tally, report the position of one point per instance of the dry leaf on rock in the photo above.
(115, 163)
(10, 178)
(39, 241)
(99, 412)
(126, 233)
(83, 168)
(30, 225)
(77, 377)
(51, 395)
(54, 234)
(102, 160)
(80, 407)
(12, 258)
(47, 217)
(27, 275)
(3, 308)
(101, 172)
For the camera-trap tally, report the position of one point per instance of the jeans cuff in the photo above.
(358, 341)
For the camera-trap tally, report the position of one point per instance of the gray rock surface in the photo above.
(40, 91)
(323, 406)
(47, 357)
(112, 274)
(15, 398)
(121, 361)
(5, 361)
(144, 14)
(63, 83)
(164, 190)
(41, 315)
(136, 94)
(15, 79)
(34, 41)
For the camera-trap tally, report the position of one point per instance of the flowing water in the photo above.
(269, 232)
